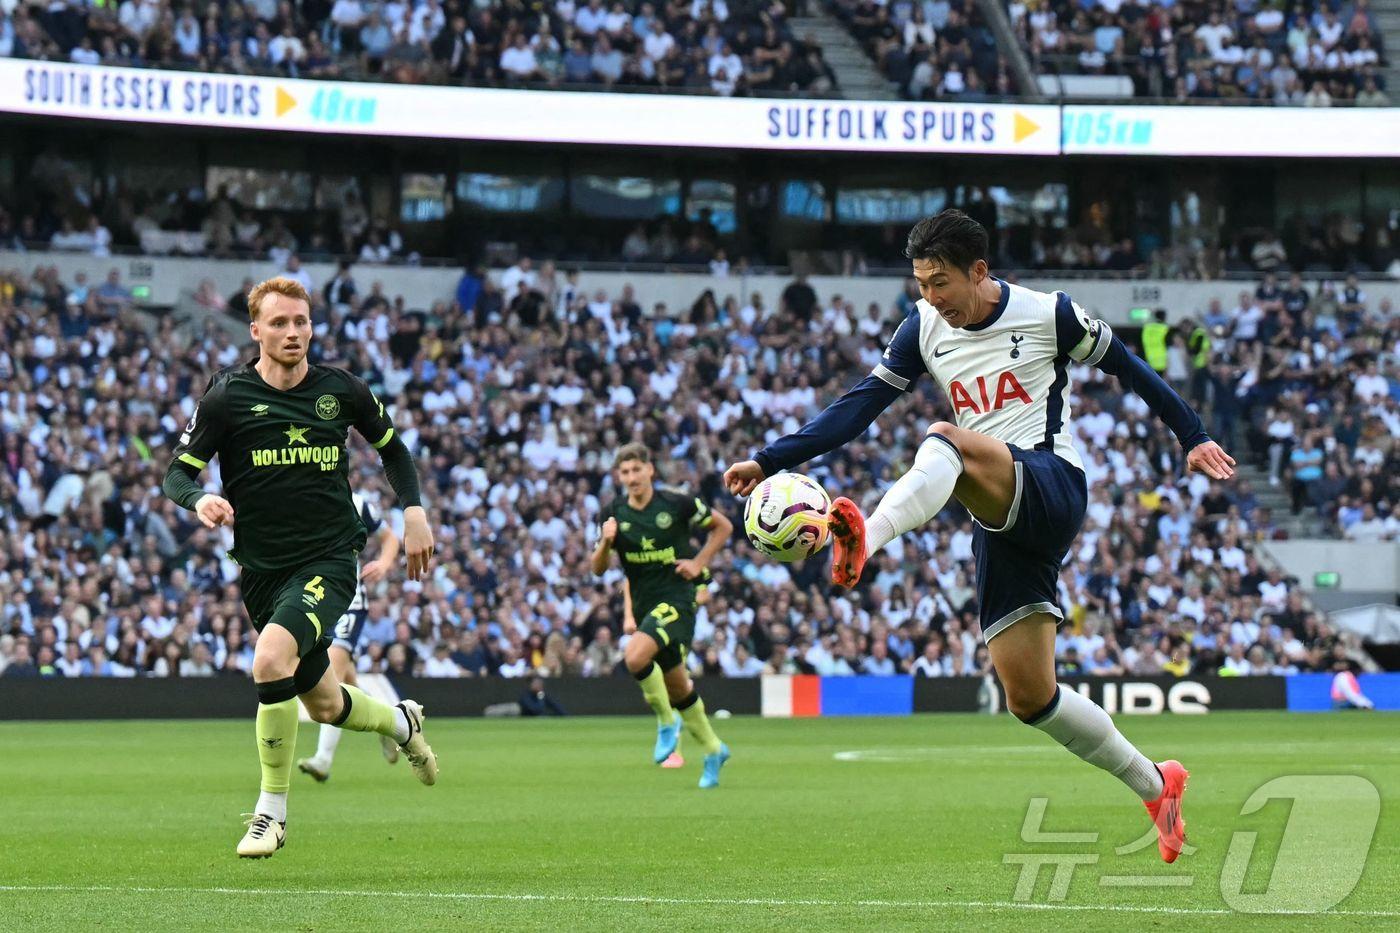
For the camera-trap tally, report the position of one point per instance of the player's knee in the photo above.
(638, 654)
(271, 665)
(1027, 703)
(948, 431)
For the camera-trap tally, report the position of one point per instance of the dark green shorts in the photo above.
(307, 601)
(672, 624)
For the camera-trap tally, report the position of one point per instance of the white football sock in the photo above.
(917, 496)
(325, 745)
(273, 805)
(1082, 726)
(402, 730)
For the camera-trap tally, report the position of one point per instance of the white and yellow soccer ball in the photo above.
(787, 517)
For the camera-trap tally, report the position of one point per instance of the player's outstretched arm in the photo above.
(844, 419)
(838, 424)
(1202, 453)
(720, 529)
(1093, 342)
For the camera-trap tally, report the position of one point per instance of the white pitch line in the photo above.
(681, 901)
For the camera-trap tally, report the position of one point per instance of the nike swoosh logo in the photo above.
(936, 354)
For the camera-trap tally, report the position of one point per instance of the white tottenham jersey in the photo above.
(369, 517)
(1007, 376)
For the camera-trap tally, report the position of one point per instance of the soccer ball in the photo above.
(786, 517)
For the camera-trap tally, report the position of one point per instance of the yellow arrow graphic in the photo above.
(286, 102)
(1024, 126)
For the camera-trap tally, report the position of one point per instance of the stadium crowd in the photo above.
(933, 49)
(1312, 54)
(701, 46)
(515, 399)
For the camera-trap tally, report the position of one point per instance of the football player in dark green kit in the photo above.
(653, 530)
(279, 426)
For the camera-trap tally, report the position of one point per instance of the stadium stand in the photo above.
(698, 47)
(1313, 55)
(514, 406)
(934, 50)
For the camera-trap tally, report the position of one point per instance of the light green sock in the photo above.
(698, 725)
(277, 743)
(366, 714)
(653, 684)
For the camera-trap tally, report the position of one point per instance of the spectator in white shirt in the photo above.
(740, 663)
(519, 62)
(617, 20)
(84, 54)
(591, 18)
(441, 664)
(725, 60)
(1371, 385)
(930, 663)
(658, 43)
(522, 271)
(1235, 662)
(286, 50)
(1273, 592)
(1214, 33)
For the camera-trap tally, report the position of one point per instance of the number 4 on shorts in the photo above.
(314, 587)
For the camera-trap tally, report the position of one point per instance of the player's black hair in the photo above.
(950, 238)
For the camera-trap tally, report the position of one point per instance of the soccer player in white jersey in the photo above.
(1002, 354)
(347, 637)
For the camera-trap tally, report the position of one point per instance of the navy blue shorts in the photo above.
(348, 629)
(1018, 566)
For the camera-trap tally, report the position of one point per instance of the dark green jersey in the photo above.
(650, 541)
(283, 460)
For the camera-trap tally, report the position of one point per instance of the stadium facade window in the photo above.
(719, 197)
(1314, 191)
(262, 189)
(875, 206)
(805, 200)
(1044, 205)
(624, 198)
(423, 197)
(491, 193)
(332, 191)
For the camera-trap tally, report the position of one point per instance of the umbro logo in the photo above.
(937, 353)
(259, 409)
(272, 743)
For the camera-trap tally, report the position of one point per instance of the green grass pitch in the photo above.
(830, 824)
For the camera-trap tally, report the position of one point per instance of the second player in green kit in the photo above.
(653, 530)
(279, 426)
